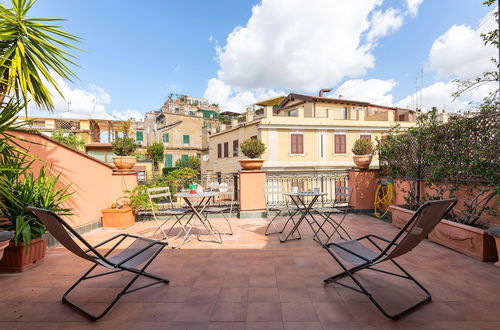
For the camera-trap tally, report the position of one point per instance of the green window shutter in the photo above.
(139, 136)
(185, 157)
(185, 138)
(166, 138)
(168, 161)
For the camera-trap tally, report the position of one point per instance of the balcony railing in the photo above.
(326, 182)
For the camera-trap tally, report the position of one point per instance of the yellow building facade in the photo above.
(304, 134)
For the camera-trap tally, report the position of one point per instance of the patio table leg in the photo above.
(206, 224)
(302, 217)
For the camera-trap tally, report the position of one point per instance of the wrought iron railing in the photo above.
(326, 182)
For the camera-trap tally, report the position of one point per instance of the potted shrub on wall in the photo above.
(124, 148)
(363, 153)
(27, 248)
(253, 149)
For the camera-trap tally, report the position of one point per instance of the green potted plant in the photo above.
(363, 153)
(155, 152)
(253, 149)
(27, 247)
(124, 148)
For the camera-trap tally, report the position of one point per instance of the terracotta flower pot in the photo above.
(251, 164)
(400, 215)
(124, 163)
(362, 161)
(16, 259)
(472, 241)
(118, 218)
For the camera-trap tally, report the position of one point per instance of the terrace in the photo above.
(252, 281)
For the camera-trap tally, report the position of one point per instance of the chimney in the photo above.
(324, 90)
(341, 96)
(249, 115)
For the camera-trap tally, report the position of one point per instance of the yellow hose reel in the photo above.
(384, 195)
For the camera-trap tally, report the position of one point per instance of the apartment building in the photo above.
(182, 125)
(303, 133)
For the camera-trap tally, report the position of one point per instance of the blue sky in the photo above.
(136, 53)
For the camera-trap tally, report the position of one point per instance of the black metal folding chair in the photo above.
(273, 194)
(220, 206)
(340, 207)
(362, 257)
(141, 251)
(163, 196)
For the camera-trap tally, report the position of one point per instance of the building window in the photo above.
(292, 113)
(169, 161)
(226, 149)
(253, 137)
(340, 143)
(365, 136)
(165, 138)
(185, 158)
(185, 138)
(297, 144)
(219, 150)
(139, 136)
(235, 148)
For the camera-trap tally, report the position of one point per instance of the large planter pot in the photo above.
(400, 215)
(5, 237)
(118, 218)
(251, 164)
(362, 161)
(16, 259)
(471, 241)
(124, 163)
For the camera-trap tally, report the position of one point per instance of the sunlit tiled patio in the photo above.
(254, 282)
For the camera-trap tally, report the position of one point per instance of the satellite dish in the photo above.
(206, 158)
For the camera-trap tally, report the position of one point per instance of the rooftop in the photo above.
(252, 281)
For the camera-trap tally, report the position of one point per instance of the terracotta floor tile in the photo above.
(252, 281)
(264, 325)
(264, 312)
(195, 312)
(294, 295)
(298, 312)
(263, 295)
(333, 312)
(233, 294)
(224, 312)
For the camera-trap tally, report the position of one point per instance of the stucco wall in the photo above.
(94, 183)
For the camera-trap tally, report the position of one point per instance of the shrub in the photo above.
(363, 147)
(155, 153)
(69, 139)
(124, 146)
(252, 148)
(192, 162)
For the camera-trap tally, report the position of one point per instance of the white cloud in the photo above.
(301, 46)
(375, 91)
(439, 95)
(460, 52)
(230, 99)
(81, 103)
(280, 47)
(384, 23)
(413, 6)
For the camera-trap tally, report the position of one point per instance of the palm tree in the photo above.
(32, 51)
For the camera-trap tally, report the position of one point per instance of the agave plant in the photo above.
(39, 190)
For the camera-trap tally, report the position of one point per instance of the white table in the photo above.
(298, 198)
(205, 198)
